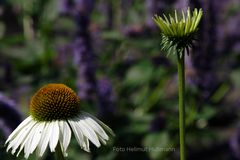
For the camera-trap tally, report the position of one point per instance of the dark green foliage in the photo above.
(143, 80)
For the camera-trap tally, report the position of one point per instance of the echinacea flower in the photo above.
(54, 115)
(179, 33)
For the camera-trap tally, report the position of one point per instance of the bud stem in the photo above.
(181, 92)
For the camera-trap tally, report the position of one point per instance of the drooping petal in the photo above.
(89, 133)
(65, 134)
(33, 139)
(78, 134)
(26, 142)
(54, 136)
(86, 142)
(17, 130)
(30, 141)
(109, 130)
(86, 127)
(47, 131)
(96, 127)
(102, 136)
(37, 136)
(64, 152)
(20, 137)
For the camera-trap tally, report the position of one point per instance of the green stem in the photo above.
(181, 101)
(59, 154)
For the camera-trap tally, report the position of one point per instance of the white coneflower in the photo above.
(54, 115)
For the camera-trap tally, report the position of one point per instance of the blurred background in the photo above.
(109, 52)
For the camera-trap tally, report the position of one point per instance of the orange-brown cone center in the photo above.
(54, 102)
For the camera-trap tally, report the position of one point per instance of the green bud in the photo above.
(178, 33)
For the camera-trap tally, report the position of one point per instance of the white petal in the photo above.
(20, 137)
(96, 127)
(102, 140)
(20, 149)
(37, 136)
(28, 141)
(100, 122)
(64, 152)
(65, 134)
(17, 130)
(89, 133)
(32, 140)
(47, 131)
(87, 149)
(78, 134)
(54, 136)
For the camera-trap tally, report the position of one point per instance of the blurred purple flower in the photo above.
(84, 58)
(82, 49)
(235, 144)
(65, 6)
(84, 7)
(205, 51)
(106, 8)
(106, 98)
(156, 7)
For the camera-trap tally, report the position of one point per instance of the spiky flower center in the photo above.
(54, 102)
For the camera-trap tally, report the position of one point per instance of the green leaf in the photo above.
(139, 123)
(207, 112)
(220, 92)
(157, 143)
(235, 77)
(139, 73)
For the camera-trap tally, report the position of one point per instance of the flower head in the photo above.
(54, 102)
(179, 33)
(54, 115)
